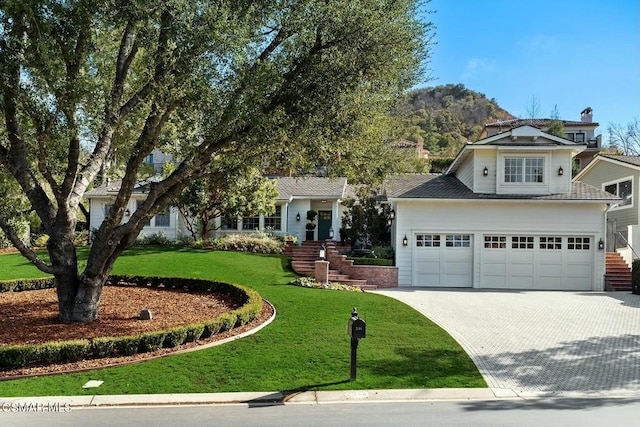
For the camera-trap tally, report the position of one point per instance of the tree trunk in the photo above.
(78, 297)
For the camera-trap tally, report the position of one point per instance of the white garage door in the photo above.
(444, 260)
(537, 262)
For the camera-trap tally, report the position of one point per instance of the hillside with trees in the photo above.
(446, 117)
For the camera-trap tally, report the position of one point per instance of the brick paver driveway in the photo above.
(539, 343)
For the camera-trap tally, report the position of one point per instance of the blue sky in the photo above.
(569, 53)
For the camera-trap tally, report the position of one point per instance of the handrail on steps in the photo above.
(624, 239)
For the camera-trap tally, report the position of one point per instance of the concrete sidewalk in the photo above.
(538, 343)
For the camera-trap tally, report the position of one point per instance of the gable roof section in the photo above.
(631, 162)
(523, 136)
(538, 123)
(430, 186)
(310, 188)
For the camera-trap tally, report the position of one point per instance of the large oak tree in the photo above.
(85, 81)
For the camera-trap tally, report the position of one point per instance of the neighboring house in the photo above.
(582, 131)
(296, 196)
(506, 214)
(619, 175)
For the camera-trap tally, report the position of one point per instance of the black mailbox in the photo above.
(356, 327)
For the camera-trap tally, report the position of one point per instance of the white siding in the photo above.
(296, 228)
(559, 184)
(465, 173)
(505, 217)
(485, 184)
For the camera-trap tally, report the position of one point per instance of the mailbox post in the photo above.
(357, 329)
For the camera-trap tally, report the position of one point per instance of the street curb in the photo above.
(262, 398)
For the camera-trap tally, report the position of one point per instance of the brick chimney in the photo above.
(586, 115)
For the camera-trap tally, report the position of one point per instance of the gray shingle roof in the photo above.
(632, 160)
(313, 187)
(430, 186)
(538, 123)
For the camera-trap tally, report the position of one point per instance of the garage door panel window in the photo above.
(495, 242)
(578, 243)
(458, 241)
(522, 242)
(550, 242)
(428, 240)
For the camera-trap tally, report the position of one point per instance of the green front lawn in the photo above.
(305, 348)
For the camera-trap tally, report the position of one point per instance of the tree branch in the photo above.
(24, 250)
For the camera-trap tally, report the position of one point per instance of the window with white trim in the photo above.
(622, 189)
(428, 240)
(524, 169)
(550, 242)
(578, 243)
(521, 242)
(495, 242)
(274, 221)
(458, 241)
(229, 222)
(163, 218)
(251, 222)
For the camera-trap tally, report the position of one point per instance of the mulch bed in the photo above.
(31, 317)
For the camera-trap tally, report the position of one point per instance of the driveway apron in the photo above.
(541, 343)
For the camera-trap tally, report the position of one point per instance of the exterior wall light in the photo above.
(392, 215)
(560, 171)
(601, 244)
(331, 233)
(298, 217)
(485, 171)
(405, 241)
(127, 213)
(323, 252)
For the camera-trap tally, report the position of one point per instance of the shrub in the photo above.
(249, 242)
(211, 328)
(71, 351)
(151, 341)
(103, 347)
(41, 240)
(26, 284)
(17, 356)
(381, 251)
(308, 282)
(175, 337)
(194, 332)
(227, 321)
(156, 239)
(81, 238)
(128, 346)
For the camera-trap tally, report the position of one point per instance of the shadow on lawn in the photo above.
(429, 368)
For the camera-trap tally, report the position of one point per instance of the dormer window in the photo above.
(523, 170)
(622, 189)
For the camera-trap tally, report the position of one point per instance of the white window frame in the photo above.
(617, 182)
(523, 167)
(425, 240)
(523, 242)
(458, 240)
(495, 241)
(579, 243)
(275, 217)
(553, 243)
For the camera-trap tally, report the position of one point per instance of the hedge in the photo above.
(18, 356)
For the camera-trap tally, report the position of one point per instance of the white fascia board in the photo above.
(598, 159)
(414, 199)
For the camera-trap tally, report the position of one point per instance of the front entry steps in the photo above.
(304, 258)
(617, 273)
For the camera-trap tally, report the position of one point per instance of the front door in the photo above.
(324, 224)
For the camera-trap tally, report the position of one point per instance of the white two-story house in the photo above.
(504, 215)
